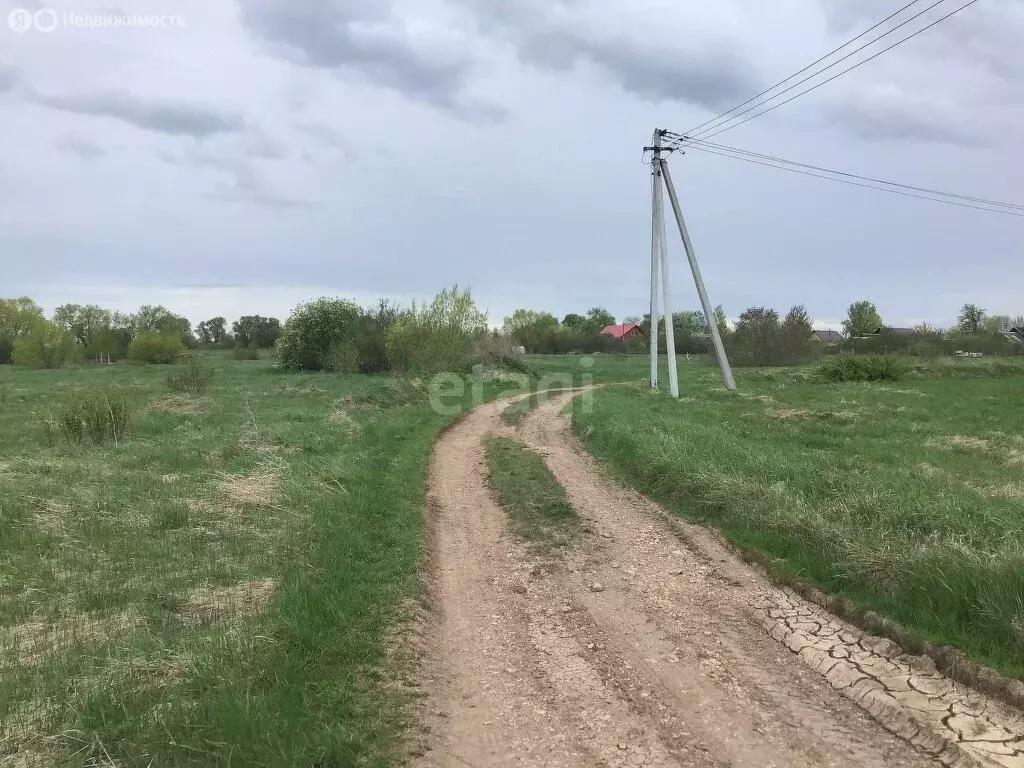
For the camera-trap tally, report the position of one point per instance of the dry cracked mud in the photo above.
(654, 645)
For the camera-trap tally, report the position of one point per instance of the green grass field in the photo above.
(906, 497)
(223, 586)
(220, 587)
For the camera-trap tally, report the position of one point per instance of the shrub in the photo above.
(437, 337)
(312, 330)
(370, 336)
(246, 353)
(192, 377)
(157, 348)
(342, 357)
(100, 415)
(868, 368)
(46, 345)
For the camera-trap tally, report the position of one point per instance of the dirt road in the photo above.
(653, 645)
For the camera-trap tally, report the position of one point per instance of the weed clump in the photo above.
(191, 378)
(863, 368)
(99, 415)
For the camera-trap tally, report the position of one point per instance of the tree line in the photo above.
(79, 332)
(452, 333)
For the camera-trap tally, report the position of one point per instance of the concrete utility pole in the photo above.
(659, 273)
(655, 259)
(666, 293)
(659, 171)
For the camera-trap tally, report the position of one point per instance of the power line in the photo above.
(780, 167)
(728, 127)
(699, 143)
(813, 63)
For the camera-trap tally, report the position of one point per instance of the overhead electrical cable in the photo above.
(700, 143)
(782, 166)
(728, 127)
(813, 63)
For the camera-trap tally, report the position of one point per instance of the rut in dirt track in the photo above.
(654, 645)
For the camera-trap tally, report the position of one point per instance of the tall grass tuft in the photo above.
(192, 377)
(100, 415)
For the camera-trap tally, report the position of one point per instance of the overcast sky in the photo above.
(255, 153)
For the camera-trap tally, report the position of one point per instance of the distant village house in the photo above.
(826, 337)
(623, 331)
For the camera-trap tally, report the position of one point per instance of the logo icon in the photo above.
(45, 20)
(20, 20)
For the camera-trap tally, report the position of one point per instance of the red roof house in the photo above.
(623, 331)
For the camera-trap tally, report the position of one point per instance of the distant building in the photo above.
(826, 337)
(886, 329)
(1015, 334)
(623, 331)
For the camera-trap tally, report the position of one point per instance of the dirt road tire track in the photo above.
(650, 645)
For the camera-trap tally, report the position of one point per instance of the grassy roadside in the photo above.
(219, 587)
(907, 498)
(538, 509)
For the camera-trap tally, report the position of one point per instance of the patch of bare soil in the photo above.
(654, 645)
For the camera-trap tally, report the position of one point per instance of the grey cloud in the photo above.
(85, 148)
(986, 33)
(713, 79)
(265, 148)
(323, 133)
(892, 119)
(241, 181)
(842, 16)
(174, 118)
(364, 38)
(708, 73)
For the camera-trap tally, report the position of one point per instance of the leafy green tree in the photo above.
(756, 339)
(46, 345)
(159, 319)
(531, 329)
(212, 331)
(256, 331)
(90, 325)
(721, 321)
(862, 319)
(796, 334)
(17, 318)
(598, 318)
(971, 320)
(574, 322)
(689, 328)
(998, 323)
